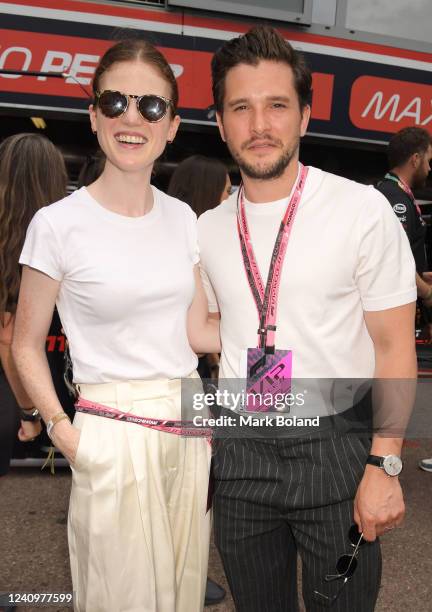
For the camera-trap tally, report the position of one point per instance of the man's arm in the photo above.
(379, 501)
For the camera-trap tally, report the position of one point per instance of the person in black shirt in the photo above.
(409, 155)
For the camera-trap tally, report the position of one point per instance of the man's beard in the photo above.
(418, 180)
(266, 172)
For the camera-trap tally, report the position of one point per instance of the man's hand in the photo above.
(379, 504)
(427, 277)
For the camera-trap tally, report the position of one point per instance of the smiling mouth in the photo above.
(129, 139)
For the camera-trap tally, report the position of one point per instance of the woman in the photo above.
(25, 187)
(202, 182)
(128, 291)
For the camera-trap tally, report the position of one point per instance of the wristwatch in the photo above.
(30, 414)
(391, 464)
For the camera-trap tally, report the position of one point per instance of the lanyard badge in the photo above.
(268, 370)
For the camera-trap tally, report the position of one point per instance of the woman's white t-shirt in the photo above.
(126, 285)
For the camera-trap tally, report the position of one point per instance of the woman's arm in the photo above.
(36, 303)
(28, 429)
(203, 331)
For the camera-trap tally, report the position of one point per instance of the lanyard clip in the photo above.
(262, 332)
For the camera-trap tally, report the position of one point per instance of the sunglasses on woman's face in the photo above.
(151, 107)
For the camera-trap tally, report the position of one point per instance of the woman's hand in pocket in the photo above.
(66, 438)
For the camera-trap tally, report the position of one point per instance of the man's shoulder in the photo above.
(219, 215)
(387, 185)
(341, 183)
(395, 195)
(338, 191)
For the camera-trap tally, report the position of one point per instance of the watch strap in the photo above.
(30, 414)
(375, 460)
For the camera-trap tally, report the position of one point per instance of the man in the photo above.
(346, 283)
(409, 155)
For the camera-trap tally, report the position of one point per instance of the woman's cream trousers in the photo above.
(138, 528)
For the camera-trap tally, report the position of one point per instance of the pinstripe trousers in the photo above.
(276, 498)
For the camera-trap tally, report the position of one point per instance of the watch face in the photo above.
(392, 465)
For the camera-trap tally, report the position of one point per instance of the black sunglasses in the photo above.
(151, 107)
(346, 565)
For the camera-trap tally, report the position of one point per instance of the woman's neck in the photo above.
(125, 193)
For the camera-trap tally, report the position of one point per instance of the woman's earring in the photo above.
(94, 131)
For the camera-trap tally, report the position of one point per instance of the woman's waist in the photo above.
(94, 369)
(133, 390)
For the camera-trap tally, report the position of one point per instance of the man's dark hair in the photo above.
(259, 43)
(405, 143)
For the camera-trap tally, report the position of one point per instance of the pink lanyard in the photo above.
(180, 428)
(405, 188)
(266, 299)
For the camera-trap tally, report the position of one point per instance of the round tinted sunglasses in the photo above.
(346, 565)
(151, 107)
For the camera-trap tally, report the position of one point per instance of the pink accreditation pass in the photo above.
(268, 379)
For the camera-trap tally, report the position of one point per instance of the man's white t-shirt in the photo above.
(347, 254)
(126, 285)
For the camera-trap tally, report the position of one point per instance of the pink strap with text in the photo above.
(180, 428)
(266, 298)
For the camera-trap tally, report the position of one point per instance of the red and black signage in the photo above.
(361, 91)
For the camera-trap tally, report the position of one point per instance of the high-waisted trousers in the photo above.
(138, 527)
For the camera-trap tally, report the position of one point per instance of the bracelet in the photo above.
(56, 419)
